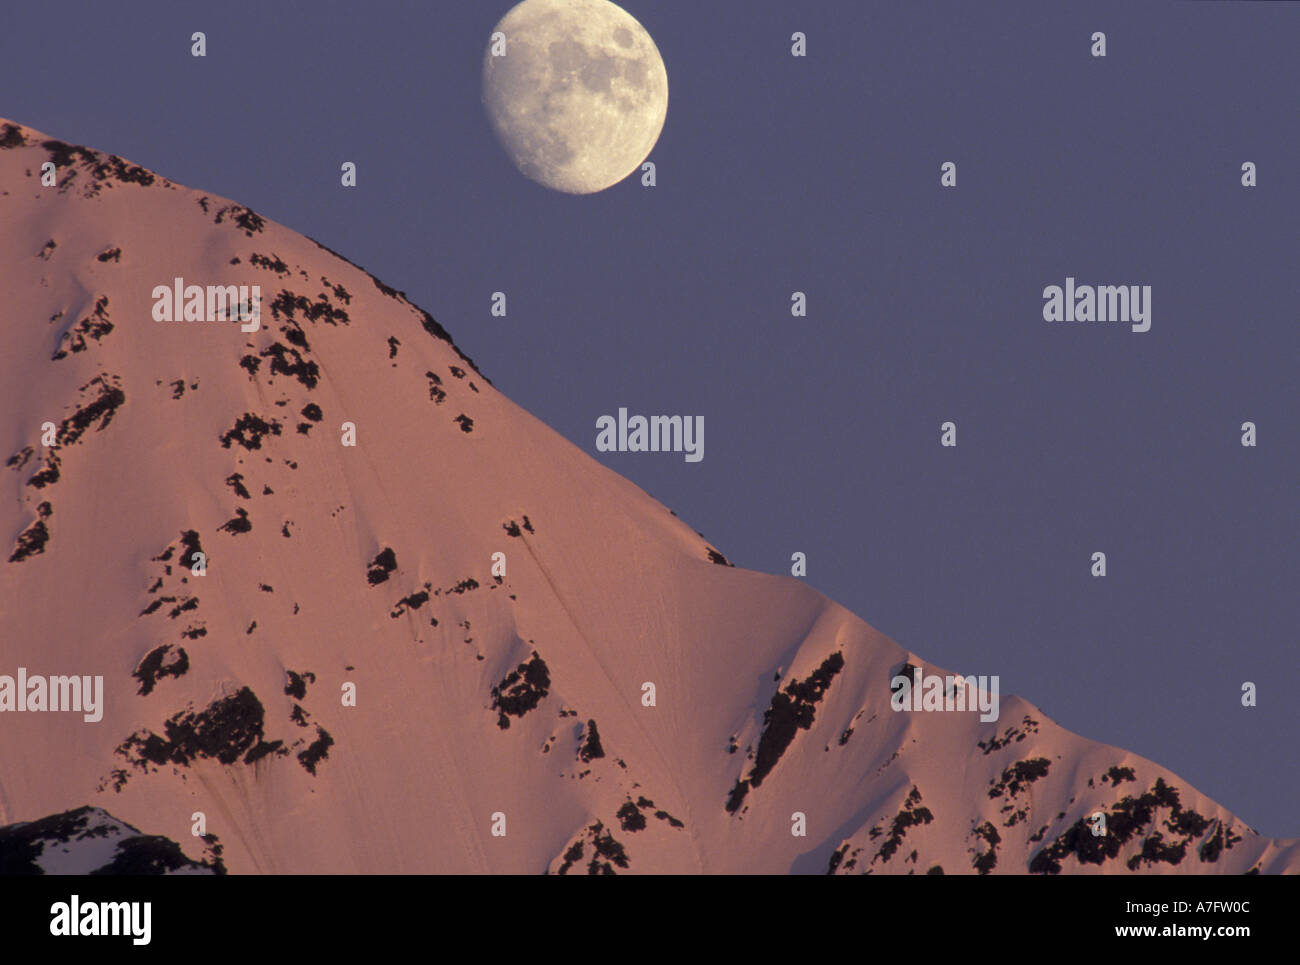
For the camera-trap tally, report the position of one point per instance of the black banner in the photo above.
(794, 915)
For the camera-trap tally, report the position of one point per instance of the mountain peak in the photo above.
(365, 614)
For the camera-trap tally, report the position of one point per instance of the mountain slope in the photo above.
(483, 701)
(90, 841)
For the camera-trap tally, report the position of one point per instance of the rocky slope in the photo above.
(354, 681)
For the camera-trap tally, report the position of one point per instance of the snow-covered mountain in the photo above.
(619, 699)
(90, 841)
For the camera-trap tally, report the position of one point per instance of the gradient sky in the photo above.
(821, 174)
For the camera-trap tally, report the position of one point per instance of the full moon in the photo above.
(579, 97)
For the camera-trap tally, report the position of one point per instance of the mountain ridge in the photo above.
(373, 566)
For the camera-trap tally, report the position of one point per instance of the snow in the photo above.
(608, 587)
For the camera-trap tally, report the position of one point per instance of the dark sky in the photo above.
(821, 174)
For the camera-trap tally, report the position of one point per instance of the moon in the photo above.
(580, 95)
